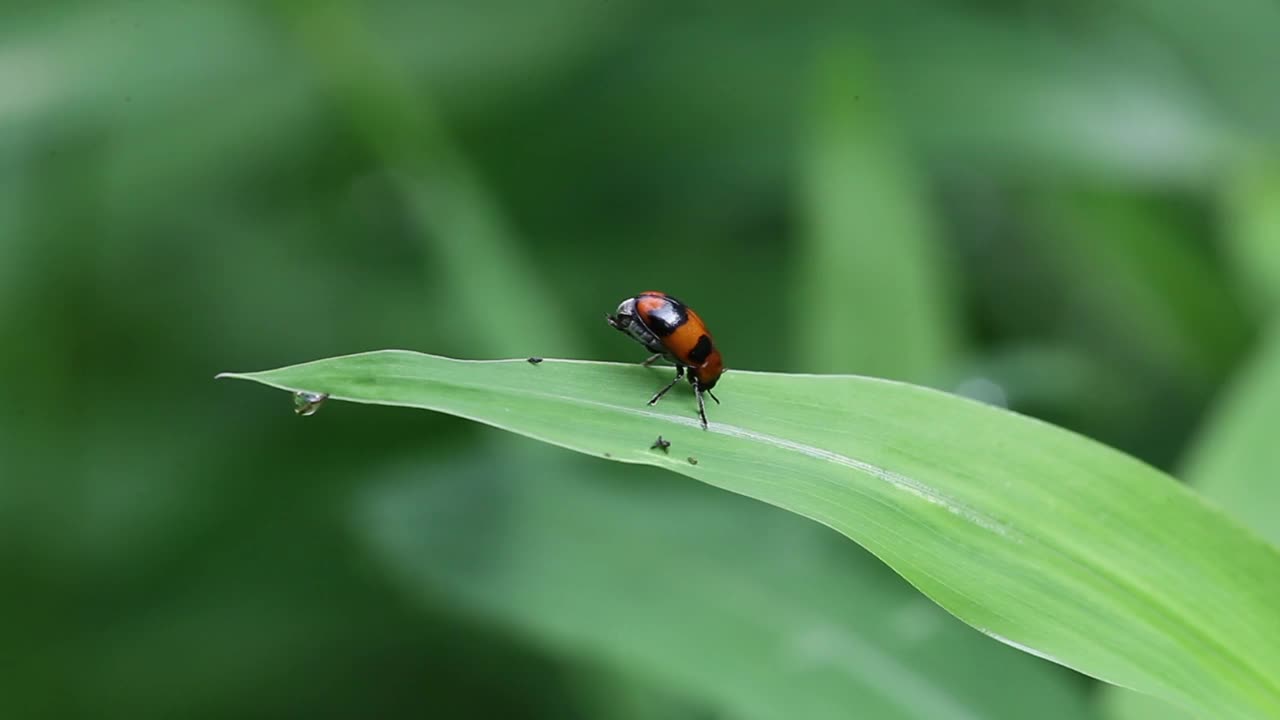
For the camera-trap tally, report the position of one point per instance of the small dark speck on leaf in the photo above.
(661, 444)
(693, 460)
(608, 455)
(535, 360)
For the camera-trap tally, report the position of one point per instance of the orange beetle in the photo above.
(674, 332)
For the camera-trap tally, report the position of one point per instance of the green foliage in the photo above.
(1031, 534)
(1251, 204)
(1232, 463)
(871, 265)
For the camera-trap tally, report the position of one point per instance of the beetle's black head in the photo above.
(622, 317)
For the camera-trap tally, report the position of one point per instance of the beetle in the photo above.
(672, 331)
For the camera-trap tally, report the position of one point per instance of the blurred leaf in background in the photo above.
(872, 289)
(188, 187)
(1250, 203)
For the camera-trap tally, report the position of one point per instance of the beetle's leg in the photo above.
(663, 391)
(653, 359)
(702, 410)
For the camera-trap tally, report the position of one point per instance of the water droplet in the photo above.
(984, 390)
(307, 403)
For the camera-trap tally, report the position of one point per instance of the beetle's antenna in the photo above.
(713, 397)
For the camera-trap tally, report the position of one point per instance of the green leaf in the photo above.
(753, 612)
(1140, 287)
(1235, 459)
(1250, 201)
(1034, 535)
(1120, 704)
(445, 199)
(859, 187)
(1233, 463)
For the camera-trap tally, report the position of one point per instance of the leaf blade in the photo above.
(1034, 535)
(1232, 461)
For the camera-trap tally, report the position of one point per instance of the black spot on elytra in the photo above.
(701, 350)
(666, 318)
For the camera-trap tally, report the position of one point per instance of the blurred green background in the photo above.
(1073, 211)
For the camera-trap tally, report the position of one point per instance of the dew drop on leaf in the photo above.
(307, 403)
